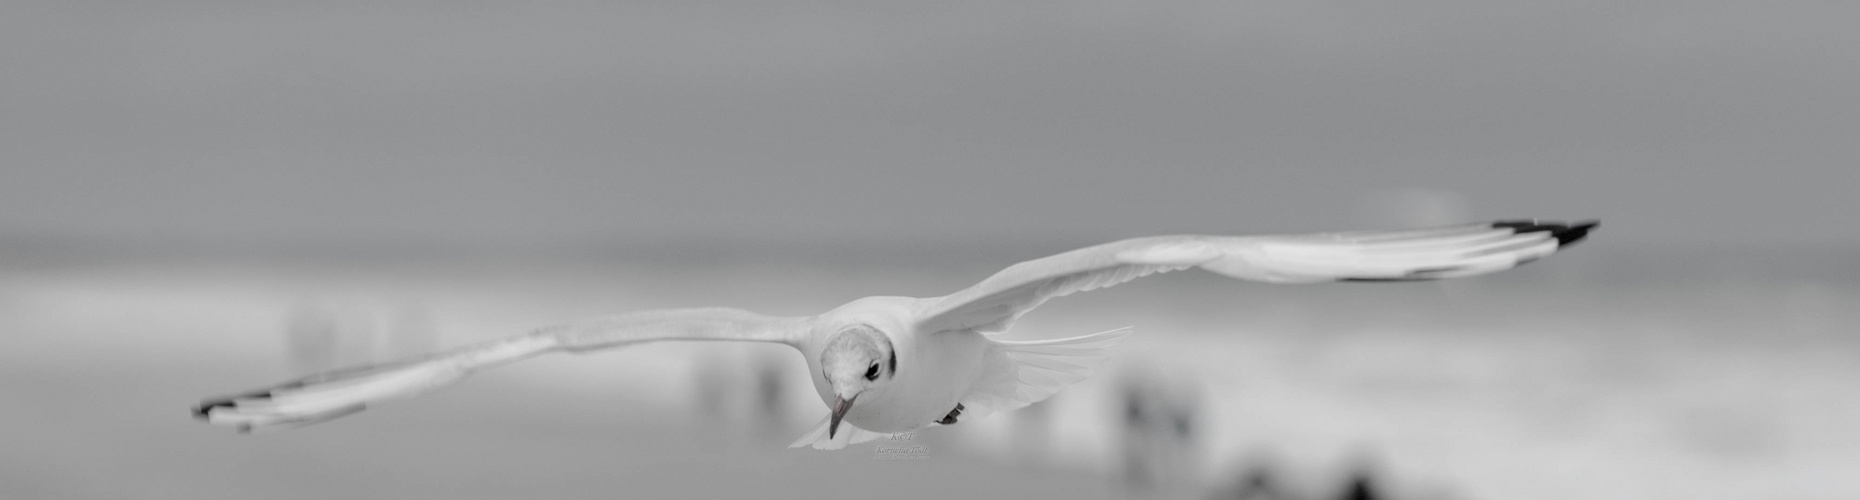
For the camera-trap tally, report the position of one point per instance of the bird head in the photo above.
(857, 359)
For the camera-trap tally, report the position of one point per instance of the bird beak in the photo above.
(840, 406)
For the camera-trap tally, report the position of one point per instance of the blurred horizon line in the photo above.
(1609, 262)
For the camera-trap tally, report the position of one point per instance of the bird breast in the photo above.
(934, 373)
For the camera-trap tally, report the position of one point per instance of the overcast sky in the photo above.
(1673, 121)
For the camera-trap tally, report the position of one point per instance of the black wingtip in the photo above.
(1565, 234)
(205, 408)
(1575, 233)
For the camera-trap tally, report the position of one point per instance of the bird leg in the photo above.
(950, 419)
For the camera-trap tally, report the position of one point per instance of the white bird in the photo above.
(894, 364)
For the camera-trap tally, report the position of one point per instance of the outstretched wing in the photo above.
(1405, 255)
(329, 395)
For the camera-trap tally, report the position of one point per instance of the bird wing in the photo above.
(333, 394)
(1402, 255)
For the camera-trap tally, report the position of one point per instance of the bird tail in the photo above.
(1020, 373)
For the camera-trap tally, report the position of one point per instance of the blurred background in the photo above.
(198, 198)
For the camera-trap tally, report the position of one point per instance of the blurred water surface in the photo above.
(1518, 386)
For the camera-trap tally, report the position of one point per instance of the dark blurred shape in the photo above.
(712, 392)
(323, 337)
(1161, 434)
(1360, 485)
(1360, 482)
(1257, 481)
(771, 389)
(744, 391)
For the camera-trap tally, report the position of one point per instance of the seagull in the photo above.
(895, 364)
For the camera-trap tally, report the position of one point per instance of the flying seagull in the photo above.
(894, 364)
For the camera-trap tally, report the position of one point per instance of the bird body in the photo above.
(894, 364)
(913, 397)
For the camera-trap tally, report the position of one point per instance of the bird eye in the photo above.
(872, 373)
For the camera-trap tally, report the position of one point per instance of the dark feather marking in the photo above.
(1420, 274)
(1565, 234)
(1575, 232)
(950, 419)
(206, 407)
(1430, 271)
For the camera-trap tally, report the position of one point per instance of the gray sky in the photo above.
(1673, 121)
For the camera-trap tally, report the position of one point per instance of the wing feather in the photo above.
(1402, 255)
(325, 396)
